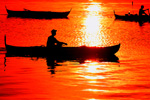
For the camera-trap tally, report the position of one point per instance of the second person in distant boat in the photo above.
(53, 42)
(142, 11)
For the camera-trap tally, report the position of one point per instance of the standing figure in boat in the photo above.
(53, 42)
(142, 11)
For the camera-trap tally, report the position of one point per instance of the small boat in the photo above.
(41, 51)
(37, 14)
(132, 17)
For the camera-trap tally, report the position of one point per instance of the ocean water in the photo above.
(90, 24)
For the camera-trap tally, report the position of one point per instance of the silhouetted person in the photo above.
(53, 42)
(142, 11)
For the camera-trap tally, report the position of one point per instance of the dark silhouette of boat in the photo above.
(52, 63)
(61, 52)
(37, 14)
(133, 17)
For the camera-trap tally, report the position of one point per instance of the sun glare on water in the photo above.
(94, 7)
(92, 26)
(91, 72)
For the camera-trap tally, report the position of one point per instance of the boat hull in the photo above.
(37, 14)
(38, 51)
(133, 18)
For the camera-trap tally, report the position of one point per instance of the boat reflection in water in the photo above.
(52, 62)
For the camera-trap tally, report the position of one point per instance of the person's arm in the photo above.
(64, 43)
(145, 9)
(58, 42)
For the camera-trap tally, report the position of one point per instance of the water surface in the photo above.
(90, 24)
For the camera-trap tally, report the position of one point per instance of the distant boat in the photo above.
(132, 17)
(37, 14)
(83, 51)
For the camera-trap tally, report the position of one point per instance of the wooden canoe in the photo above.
(39, 51)
(37, 14)
(132, 17)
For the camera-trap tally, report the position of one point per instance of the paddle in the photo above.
(132, 7)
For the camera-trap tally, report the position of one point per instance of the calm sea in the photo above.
(90, 24)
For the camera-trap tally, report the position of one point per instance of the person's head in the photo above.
(142, 6)
(53, 32)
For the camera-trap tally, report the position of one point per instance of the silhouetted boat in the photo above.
(132, 17)
(39, 51)
(37, 14)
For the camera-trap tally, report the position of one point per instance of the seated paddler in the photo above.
(142, 11)
(52, 42)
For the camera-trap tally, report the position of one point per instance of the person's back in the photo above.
(141, 12)
(51, 41)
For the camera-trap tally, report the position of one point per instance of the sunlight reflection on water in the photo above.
(92, 30)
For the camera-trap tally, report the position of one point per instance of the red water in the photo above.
(91, 24)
